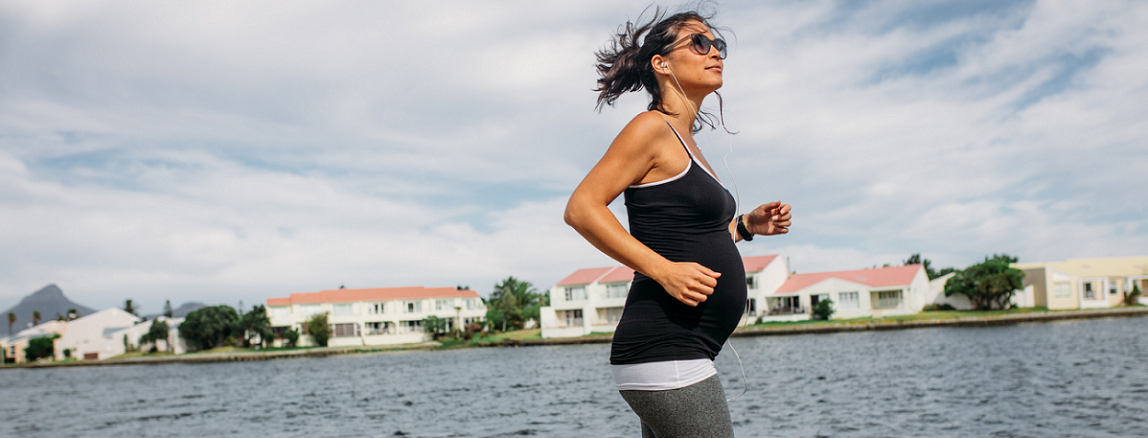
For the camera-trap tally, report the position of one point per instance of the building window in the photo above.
(346, 309)
(375, 309)
(616, 290)
(888, 299)
(1111, 287)
(1061, 289)
(473, 304)
(414, 307)
(750, 306)
(378, 328)
(410, 326)
(574, 317)
(610, 314)
(308, 310)
(443, 304)
(279, 312)
(849, 300)
(346, 330)
(576, 293)
(750, 283)
(1089, 292)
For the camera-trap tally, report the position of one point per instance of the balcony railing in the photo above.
(786, 310)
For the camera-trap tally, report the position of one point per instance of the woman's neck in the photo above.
(681, 107)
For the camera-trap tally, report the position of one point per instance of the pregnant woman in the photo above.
(689, 289)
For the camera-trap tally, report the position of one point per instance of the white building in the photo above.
(591, 300)
(376, 316)
(877, 292)
(14, 345)
(91, 337)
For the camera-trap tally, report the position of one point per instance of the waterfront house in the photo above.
(1084, 283)
(591, 300)
(875, 292)
(123, 339)
(90, 338)
(376, 316)
(14, 345)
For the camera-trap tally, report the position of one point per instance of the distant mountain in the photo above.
(181, 311)
(49, 301)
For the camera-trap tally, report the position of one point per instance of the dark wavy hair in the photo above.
(624, 66)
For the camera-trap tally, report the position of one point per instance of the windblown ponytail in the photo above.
(625, 65)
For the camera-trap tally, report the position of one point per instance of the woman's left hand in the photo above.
(769, 219)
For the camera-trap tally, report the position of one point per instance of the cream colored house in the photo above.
(376, 316)
(877, 292)
(1084, 283)
(90, 337)
(14, 345)
(591, 300)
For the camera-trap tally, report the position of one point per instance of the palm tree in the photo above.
(35, 317)
(11, 320)
(129, 307)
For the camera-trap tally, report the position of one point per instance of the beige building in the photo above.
(14, 345)
(376, 316)
(1085, 283)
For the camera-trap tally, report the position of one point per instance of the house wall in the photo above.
(86, 335)
(1038, 278)
(594, 305)
(766, 282)
(1072, 301)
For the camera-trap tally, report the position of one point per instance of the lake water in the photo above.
(1064, 379)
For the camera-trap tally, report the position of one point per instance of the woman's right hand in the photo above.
(688, 282)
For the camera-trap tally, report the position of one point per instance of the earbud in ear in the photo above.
(665, 65)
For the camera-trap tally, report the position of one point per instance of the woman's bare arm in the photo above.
(635, 155)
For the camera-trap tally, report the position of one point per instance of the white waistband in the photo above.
(662, 376)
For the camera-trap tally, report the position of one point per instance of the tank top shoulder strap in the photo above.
(687, 148)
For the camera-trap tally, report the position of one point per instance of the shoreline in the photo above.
(763, 330)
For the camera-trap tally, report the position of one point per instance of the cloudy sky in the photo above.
(226, 151)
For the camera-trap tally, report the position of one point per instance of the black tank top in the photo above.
(684, 219)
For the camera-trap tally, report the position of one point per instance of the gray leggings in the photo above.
(696, 411)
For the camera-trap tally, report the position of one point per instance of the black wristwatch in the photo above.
(742, 230)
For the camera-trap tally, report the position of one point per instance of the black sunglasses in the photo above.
(701, 44)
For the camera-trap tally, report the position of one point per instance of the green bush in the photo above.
(42, 347)
(208, 327)
(292, 337)
(1133, 297)
(823, 310)
(938, 307)
(319, 329)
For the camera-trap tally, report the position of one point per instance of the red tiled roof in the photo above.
(877, 277)
(585, 276)
(620, 273)
(757, 263)
(375, 294)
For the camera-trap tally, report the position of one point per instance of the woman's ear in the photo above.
(660, 65)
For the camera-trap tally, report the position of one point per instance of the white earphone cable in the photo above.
(737, 204)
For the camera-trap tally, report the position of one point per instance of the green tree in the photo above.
(823, 310)
(256, 322)
(517, 301)
(130, 307)
(167, 309)
(41, 347)
(208, 327)
(35, 317)
(292, 337)
(1133, 298)
(989, 284)
(319, 329)
(158, 331)
(11, 320)
(435, 326)
(916, 259)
